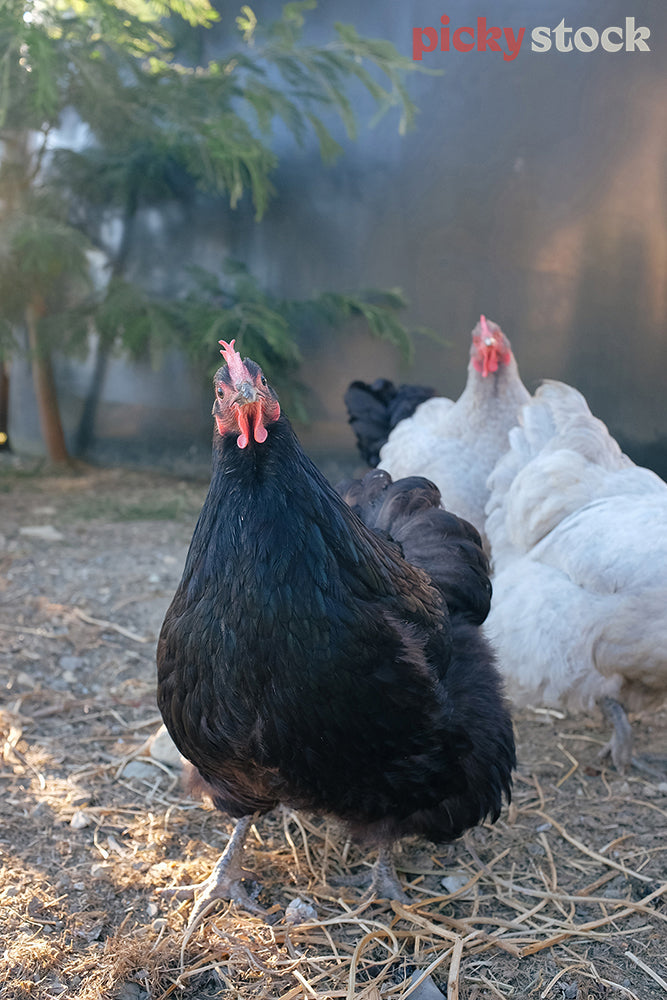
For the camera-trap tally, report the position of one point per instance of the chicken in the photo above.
(454, 444)
(579, 541)
(328, 657)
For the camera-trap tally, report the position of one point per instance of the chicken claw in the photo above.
(382, 881)
(619, 747)
(224, 882)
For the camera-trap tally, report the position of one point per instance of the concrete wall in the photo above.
(534, 190)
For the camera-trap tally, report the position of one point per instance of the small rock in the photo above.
(131, 991)
(78, 886)
(27, 654)
(427, 990)
(161, 747)
(42, 532)
(299, 912)
(79, 820)
(152, 909)
(101, 870)
(456, 881)
(139, 769)
(543, 828)
(662, 787)
(70, 664)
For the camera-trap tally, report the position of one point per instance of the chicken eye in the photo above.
(263, 380)
(220, 391)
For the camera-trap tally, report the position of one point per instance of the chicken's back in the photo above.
(579, 544)
(448, 548)
(560, 458)
(581, 615)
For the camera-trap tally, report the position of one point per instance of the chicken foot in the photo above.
(382, 880)
(224, 882)
(619, 747)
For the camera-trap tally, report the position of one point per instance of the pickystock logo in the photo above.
(482, 37)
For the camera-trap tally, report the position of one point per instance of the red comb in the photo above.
(233, 359)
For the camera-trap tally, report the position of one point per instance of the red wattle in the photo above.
(244, 427)
(249, 416)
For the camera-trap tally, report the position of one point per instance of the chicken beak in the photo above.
(248, 406)
(246, 393)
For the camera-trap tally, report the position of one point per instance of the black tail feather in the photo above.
(374, 410)
(447, 547)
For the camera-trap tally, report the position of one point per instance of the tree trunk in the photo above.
(85, 434)
(4, 407)
(45, 389)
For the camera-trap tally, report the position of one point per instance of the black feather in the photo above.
(448, 547)
(374, 410)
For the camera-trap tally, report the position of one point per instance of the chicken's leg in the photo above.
(384, 880)
(381, 882)
(224, 882)
(619, 746)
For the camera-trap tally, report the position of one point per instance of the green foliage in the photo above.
(41, 256)
(214, 122)
(269, 328)
(156, 129)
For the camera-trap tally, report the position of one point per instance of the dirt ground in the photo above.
(563, 898)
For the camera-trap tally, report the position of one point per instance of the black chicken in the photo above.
(327, 654)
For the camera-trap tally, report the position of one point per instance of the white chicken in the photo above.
(578, 537)
(454, 444)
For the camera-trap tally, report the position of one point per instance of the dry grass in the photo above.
(563, 898)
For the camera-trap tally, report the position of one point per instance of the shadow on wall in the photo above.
(612, 328)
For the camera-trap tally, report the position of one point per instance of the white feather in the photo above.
(578, 537)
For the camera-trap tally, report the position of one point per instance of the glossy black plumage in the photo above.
(375, 409)
(310, 658)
